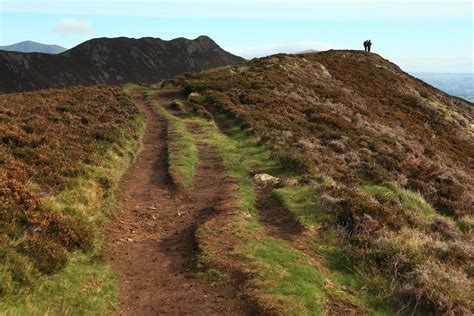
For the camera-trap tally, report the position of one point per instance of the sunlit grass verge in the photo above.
(148, 93)
(284, 278)
(128, 88)
(289, 282)
(86, 285)
(411, 201)
(303, 201)
(343, 281)
(416, 243)
(182, 151)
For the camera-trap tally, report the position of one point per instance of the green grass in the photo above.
(182, 151)
(303, 201)
(149, 93)
(287, 279)
(242, 153)
(379, 191)
(128, 88)
(411, 201)
(86, 286)
(466, 224)
(415, 202)
(344, 278)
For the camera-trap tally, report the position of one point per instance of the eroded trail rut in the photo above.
(151, 245)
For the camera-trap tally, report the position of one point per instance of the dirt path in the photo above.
(151, 243)
(277, 221)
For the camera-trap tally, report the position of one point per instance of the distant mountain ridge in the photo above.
(33, 47)
(308, 51)
(113, 61)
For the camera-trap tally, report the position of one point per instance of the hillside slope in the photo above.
(111, 61)
(62, 153)
(33, 47)
(388, 160)
(358, 117)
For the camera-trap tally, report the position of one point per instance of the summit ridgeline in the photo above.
(113, 61)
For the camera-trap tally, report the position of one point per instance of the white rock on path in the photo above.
(266, 179)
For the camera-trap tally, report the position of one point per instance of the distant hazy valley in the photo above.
(457, 84)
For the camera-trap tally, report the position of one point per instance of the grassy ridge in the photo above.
(182, 151)
(55, 202)
(284, 279)
(399, 204)
(287, 279)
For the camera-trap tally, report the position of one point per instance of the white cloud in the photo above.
(67, 27)
(289, 48)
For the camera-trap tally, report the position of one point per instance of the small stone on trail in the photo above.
(266, 179)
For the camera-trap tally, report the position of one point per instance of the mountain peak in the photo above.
(113, 61)
(33, 47)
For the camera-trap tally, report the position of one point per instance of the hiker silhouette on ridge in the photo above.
(367, 45)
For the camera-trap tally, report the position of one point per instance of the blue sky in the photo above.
(423, 36)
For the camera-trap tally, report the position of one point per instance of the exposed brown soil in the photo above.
(278, 220)
(152, 244)
(336, 307)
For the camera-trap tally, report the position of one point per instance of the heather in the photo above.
(388, 157)
(61, 156)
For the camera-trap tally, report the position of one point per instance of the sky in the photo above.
(420, 36)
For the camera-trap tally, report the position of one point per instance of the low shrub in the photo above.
(48, 256)
(16, 268)
(71, 232)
